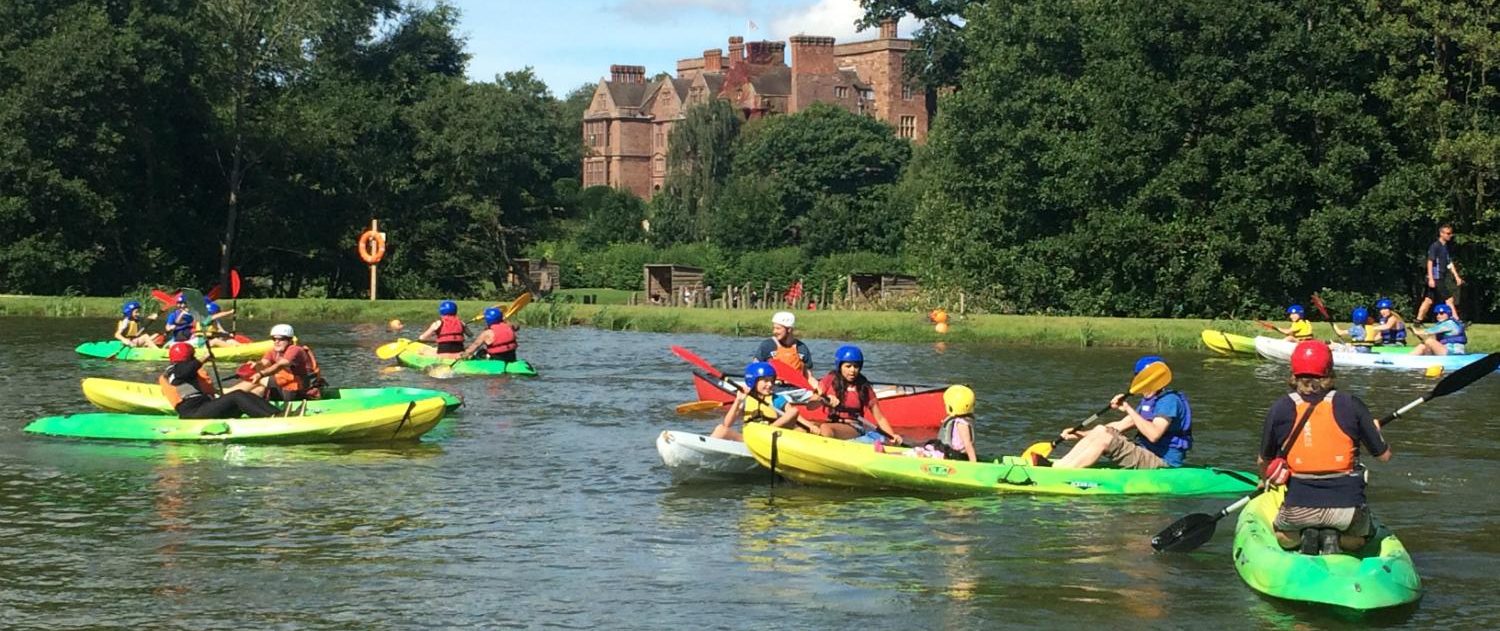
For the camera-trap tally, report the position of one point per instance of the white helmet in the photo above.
(784, 318)
(282, 330)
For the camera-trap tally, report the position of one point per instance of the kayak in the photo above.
(698, 457)
(1228, 343)
(814, 459)
(1379, 575)
(402, 421)
(108, 349)
(423, 357)
(136, 397)
(904, 405)
(1277, 349)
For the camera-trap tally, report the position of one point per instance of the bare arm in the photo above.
(431, 333)
(479, 340)
(883, 423)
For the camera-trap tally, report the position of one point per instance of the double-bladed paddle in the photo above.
(1323, 309)
(1153, 377)
(1196, 529)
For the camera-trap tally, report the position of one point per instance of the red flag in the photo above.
(795, 291)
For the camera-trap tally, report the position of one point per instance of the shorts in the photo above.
(1445, 288)
(1351, 520)
(450, 348)
(1128, 455)
(1456, 349)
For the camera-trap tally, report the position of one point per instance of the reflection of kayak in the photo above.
(1227, 343)
(818, 460)
(421, 356)
(1395, 357)
(403, 421)
(1379, 575)
(696, 457)
(903, 405)
(113, 348)
(146, 398)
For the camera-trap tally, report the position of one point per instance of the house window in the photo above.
(906, 92)
(841, 92)
(661, 164)
(868, 95)
(908, 127)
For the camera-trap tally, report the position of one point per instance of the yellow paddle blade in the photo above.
(1153, 377)
(516, 305)
(1043, 449)
(392, 349)
(698, 406)
(440, 371)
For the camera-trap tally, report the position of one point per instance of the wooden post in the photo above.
(960, 302)
(375, 228)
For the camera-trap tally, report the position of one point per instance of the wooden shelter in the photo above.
(871, 287)
(544, 276)
(672, 284)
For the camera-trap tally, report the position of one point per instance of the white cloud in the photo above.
(833, 18)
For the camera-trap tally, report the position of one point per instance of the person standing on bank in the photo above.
(787, 349)
(1443, 281)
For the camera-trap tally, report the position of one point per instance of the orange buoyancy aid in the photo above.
(1322, 447)
(451, 330)
(299, 375)
(176, 392)
(502, 339)
(788, 355)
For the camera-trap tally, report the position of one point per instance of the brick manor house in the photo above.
(626, 126)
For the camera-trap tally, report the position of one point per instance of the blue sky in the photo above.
(570, 42)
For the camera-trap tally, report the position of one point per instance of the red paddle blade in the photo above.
(790, 376)
(1268, 326)
(693, 358)
(1323, 309)
(213, 294)
(163, 297)
(234, 283)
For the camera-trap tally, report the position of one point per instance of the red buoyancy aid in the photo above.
(1322, 447)
(851, 402)
(451, 331)
(502, 338)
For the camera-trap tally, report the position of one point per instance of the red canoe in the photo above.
(903, 405)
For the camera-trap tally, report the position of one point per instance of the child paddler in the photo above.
(497, 340)
(1299, 329)
(758, 404)
(786, 348)
(1390, 326)
(447, 331)
(129, 331)
(215, 331)
(1447, 337)
(1163, 425)
(1321, 431)
(186, 385)
(955, 438)
(1361, 333)
(851, 398)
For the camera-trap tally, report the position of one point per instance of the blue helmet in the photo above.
(181, 298)
(447, 307)
(493, 315)
(849, 353)
(1359, 315)
(1443, 309)
(1297, 309)
(1385, 303)
(213, 308)
(130, 307)
(757, 371)
(1142, 363)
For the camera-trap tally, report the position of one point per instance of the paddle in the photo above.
(511, 309)
(1196, 529)
(391, 349)
(1268, 325)
(693, 358)
(699, 406)
(1153, 377)
(1323, 309)
(199, 308)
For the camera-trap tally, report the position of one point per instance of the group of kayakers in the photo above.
(1385, 327)
(496, 341)
(180, 326)
(288, 371)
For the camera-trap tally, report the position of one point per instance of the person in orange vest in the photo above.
(186, 385)
(447, 331)
(1320, 430)
(287, 372)
(784, 347)
(497, 340)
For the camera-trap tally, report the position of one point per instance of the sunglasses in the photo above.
(279, 338)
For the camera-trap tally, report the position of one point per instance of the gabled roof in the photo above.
(774, 82)
(626, 94)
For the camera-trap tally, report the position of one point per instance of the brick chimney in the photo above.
(736, 49)
(812, 55)
(627, 74)
(713, 60)
(765, 53)
(888, 28)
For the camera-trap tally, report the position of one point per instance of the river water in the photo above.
(543, 503)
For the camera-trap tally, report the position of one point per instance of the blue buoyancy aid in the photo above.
(1174, 443)
(1395, 335)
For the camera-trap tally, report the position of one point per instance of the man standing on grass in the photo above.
(1443, 281)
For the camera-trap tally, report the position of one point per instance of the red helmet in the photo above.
(180, 352)
(1312, 358)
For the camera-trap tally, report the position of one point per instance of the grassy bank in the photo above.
(843, 325)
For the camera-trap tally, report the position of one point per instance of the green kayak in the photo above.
(422, 357)
(1379, 575)
(145, 398)
(817, 460)
(403, 421)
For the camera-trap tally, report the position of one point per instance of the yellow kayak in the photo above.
(403, 421)
(1228, 343)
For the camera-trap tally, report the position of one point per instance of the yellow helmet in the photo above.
(959, 400)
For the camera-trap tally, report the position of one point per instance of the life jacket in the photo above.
(1179, 438)
(132, 328)
(757, 411)
(1395, 335)
(788, 355)
(177, 392)
(1360, 335)
(851, 405)
(1303, 332)
(1458, 337)
(299, 376)
(451, 330)
(502, 339)
(1322, 447)
(948, 434)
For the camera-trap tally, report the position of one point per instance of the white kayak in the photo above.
(698, 457)
(1281, 350)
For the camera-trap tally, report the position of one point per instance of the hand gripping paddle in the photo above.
(1153, 377)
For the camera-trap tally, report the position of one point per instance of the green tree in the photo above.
(610, 216)
(699, 159)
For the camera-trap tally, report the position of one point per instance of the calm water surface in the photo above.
(542, 503)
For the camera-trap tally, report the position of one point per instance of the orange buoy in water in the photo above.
(1434, 371)
(938, 315)
(942, 327)
(394, 325)
(940, 347)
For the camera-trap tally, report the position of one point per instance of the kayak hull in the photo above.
(1281, 350)
(1228, 343)
(423, 357)
(404, 421)
(1380, 575)
(113, 349)
(817, 460)
(695, 457)
(134, 397)
(904, 405)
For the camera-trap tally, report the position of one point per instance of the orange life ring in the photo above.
(371, 247)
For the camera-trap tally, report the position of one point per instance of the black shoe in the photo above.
(1309, 541)
(1328, 541)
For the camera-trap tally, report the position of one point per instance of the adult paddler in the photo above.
(498, 339)
(447, 331)
(787, 349)
(1163, 425)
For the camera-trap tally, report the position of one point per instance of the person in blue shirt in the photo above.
(1361, 333)
(1447, 337)
(1163, 425)
(1443, 281)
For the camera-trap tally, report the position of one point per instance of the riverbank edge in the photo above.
(889, 326)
